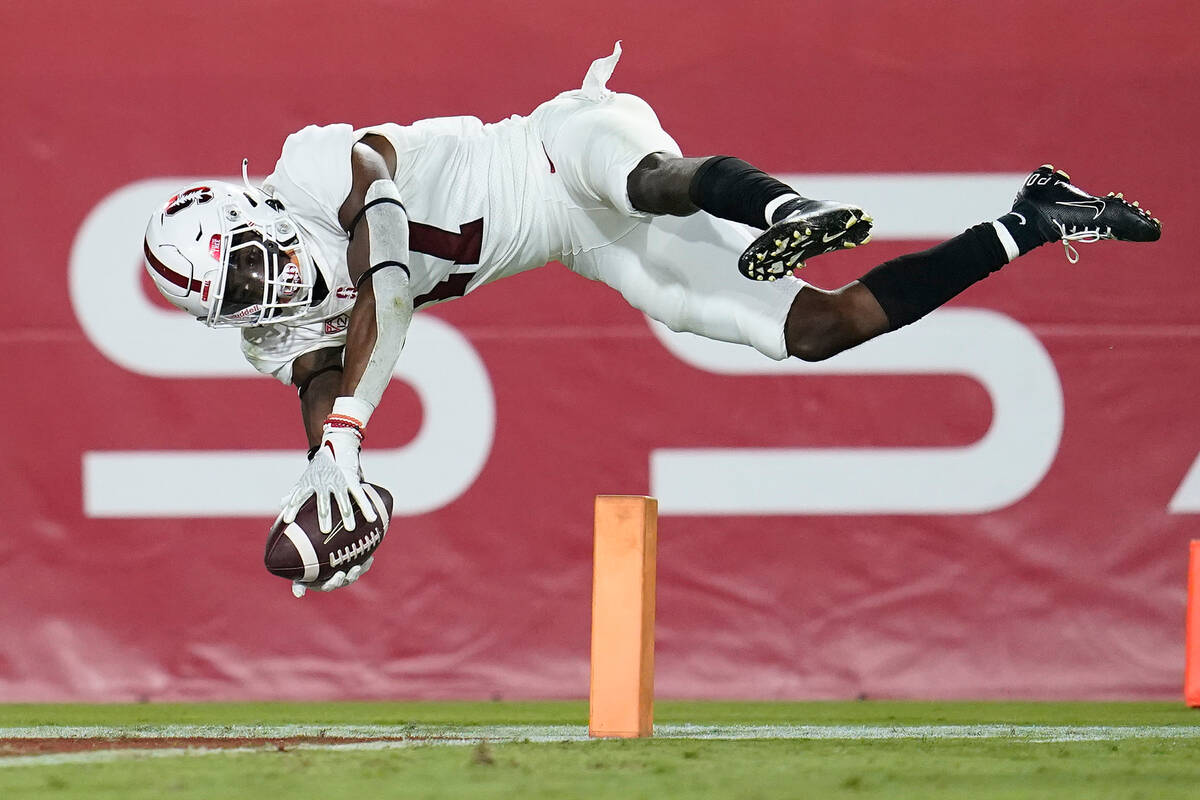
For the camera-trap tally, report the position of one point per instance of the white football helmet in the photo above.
(229, 256)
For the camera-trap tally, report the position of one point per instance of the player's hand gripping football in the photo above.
(336, 581)
(334, 470)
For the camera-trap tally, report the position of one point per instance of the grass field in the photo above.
(866, 749)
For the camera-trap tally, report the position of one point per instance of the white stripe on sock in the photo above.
(1006, 239)
(774, 205)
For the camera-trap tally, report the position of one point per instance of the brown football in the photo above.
(300, 552)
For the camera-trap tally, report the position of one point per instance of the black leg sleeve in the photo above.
(911, 286)
(729, 188)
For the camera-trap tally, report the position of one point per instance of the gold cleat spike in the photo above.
(808, 231)
(758, 277)
(1047, 166)
(1135, 204)
(1120, 195)
(795, 234)
(1110, 194)
(848, 245)
(761, 256)
(867, 218)
(866, 239)
(1060, 172)
(770, 277)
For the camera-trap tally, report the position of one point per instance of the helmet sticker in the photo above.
(245, 313)
(289, 280)
(188, 198)
(204, 292)
(214, 246)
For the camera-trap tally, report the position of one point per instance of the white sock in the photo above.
(1006, 239)
(774, 205)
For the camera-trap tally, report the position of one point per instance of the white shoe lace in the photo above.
(1079, 235)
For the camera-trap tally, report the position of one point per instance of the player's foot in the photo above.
(814, 227)
(1065, 212)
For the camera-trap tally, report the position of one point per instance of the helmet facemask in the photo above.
(266, 275)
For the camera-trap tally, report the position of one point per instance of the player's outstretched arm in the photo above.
(377, 254)
(377, 224)
(317, 377)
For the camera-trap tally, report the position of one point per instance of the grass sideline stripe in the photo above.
(570, 733)
(405, 736)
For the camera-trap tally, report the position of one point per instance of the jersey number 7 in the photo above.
(463, 247)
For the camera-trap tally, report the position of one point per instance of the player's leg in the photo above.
(664, 259)
(612, 150)
(675, 269)
(898, 292)
(798, 228)
(661, 184)
(823, 323)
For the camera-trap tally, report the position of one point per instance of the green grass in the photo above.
(871, 712)
(660, 769)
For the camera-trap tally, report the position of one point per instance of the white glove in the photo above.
(334, 470)
(338, 580)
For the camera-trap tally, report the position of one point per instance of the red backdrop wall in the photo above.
(1047, 561)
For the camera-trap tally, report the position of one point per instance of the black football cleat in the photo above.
(1065, 212)
(815, 227)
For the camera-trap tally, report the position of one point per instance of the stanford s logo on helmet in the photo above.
(229, 256)
(185, 199)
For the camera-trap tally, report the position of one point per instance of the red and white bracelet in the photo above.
(349, 414)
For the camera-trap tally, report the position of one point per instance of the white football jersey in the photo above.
(489, 200)
(477, 200)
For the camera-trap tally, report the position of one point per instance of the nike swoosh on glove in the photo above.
(335, 471)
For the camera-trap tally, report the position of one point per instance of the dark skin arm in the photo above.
(371, 159)
(317, 400)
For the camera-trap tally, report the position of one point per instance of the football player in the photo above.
(323, 266)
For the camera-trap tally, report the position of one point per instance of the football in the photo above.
(300, 552)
